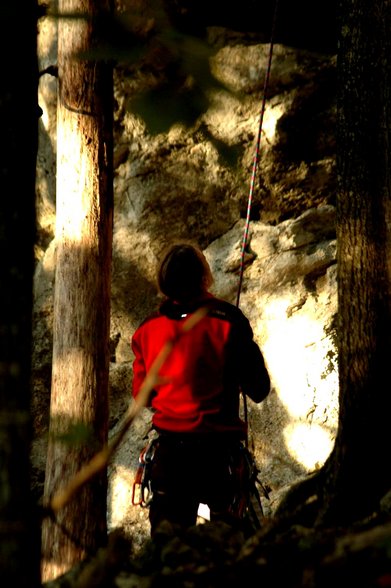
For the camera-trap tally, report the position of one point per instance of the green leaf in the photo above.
(75, 435)
(166, 105)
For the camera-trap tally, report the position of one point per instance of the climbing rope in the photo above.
(252, 182)
(256, 154)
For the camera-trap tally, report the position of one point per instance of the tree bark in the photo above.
(339, 494)
(84, 217)
(19, 531)
(364, 262)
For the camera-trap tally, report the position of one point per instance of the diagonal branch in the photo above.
(101, 459)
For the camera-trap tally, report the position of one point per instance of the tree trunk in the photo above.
(19, 531)
(84, 217)
(364, 262)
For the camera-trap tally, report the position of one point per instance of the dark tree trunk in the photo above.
(19, 537)
(84, 217)
(358, 473)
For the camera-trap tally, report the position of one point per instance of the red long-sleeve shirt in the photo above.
(200, 382)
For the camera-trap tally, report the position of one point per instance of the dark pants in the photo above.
(188, 470)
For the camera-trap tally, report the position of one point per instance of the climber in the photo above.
(195, 403)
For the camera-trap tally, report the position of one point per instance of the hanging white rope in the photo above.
(256, 155)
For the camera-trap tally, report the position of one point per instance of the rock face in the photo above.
(192, 181)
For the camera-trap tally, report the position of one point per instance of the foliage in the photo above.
(184, 94)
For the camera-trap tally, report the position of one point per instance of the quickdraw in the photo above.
(247, 504)
(142, 491)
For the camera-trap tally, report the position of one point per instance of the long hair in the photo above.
(184, 273)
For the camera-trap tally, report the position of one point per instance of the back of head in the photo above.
(184, 274)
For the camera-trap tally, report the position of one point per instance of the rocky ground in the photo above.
(281, 553)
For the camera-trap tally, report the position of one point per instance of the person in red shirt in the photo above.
(196, 401)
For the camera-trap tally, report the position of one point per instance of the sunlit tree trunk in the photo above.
(19, 536)
(359, 473)
(84, 216)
